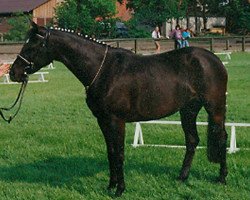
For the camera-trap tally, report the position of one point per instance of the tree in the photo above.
(19, 26)
(83, 14)
(237, 13)
(204, 8)
(155, 12)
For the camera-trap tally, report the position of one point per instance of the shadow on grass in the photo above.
(61, 172)
(172, 170)
(55, 171)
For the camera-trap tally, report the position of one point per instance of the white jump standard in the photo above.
(138, 136)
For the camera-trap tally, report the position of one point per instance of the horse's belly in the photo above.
(156, 107)
(148, 100)
(163, 102)
(144, 108)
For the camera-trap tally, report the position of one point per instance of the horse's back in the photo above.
(200, 67)
(195, 66)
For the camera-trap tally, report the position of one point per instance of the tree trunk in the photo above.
(197, 30)
(204, 16)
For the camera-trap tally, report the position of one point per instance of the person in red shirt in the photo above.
(176, 34)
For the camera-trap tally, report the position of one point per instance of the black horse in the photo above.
(123, 87)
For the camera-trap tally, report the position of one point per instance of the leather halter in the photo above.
(30, 64)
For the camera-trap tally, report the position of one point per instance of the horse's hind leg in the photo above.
(188, 120)
(217, 136)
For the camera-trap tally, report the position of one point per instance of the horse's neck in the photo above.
(82, 57)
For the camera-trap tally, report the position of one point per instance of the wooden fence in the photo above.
(232, 43)
(144, 45)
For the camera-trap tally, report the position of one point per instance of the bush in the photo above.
(20, 25)
(135, 30)
(89, 17)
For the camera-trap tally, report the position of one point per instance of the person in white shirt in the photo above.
(156, 35)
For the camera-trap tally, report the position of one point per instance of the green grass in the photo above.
(55, 150)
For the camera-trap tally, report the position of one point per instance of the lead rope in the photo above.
(20, 96)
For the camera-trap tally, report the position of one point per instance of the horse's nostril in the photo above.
(11, 73)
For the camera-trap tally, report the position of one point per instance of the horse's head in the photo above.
(34, 54)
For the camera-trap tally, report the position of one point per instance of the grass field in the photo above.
(55, 150)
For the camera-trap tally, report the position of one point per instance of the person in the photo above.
(156, 35)
(185, 36)
(4, 69)
(176, 34)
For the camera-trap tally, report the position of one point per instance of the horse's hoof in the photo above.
(119, 191)
(111, 186)
(222, 180)
(182, 178)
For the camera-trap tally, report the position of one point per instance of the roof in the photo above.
(12, 6)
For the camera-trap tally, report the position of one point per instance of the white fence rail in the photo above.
(40, 75)
(39, 79)
(138, 136)
(227, 56)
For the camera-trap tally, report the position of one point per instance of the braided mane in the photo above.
(79, 35)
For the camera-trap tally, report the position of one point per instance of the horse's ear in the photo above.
(34, 26)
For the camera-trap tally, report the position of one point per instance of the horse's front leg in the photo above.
(105, 126)
(118, 127)
(114, 133)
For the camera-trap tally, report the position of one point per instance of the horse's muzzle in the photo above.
(20, 78)
(12, 75)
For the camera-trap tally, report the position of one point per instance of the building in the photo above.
(42, 11)
(214, 24)
(122, 12)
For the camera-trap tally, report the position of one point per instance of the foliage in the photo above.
(237, 12)
(55, 150)
(203, 8)
(136, 30)
(154, 12)
(244, 25)
(68, 16)
(82, 16)
(238, 16)
(19, 26)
